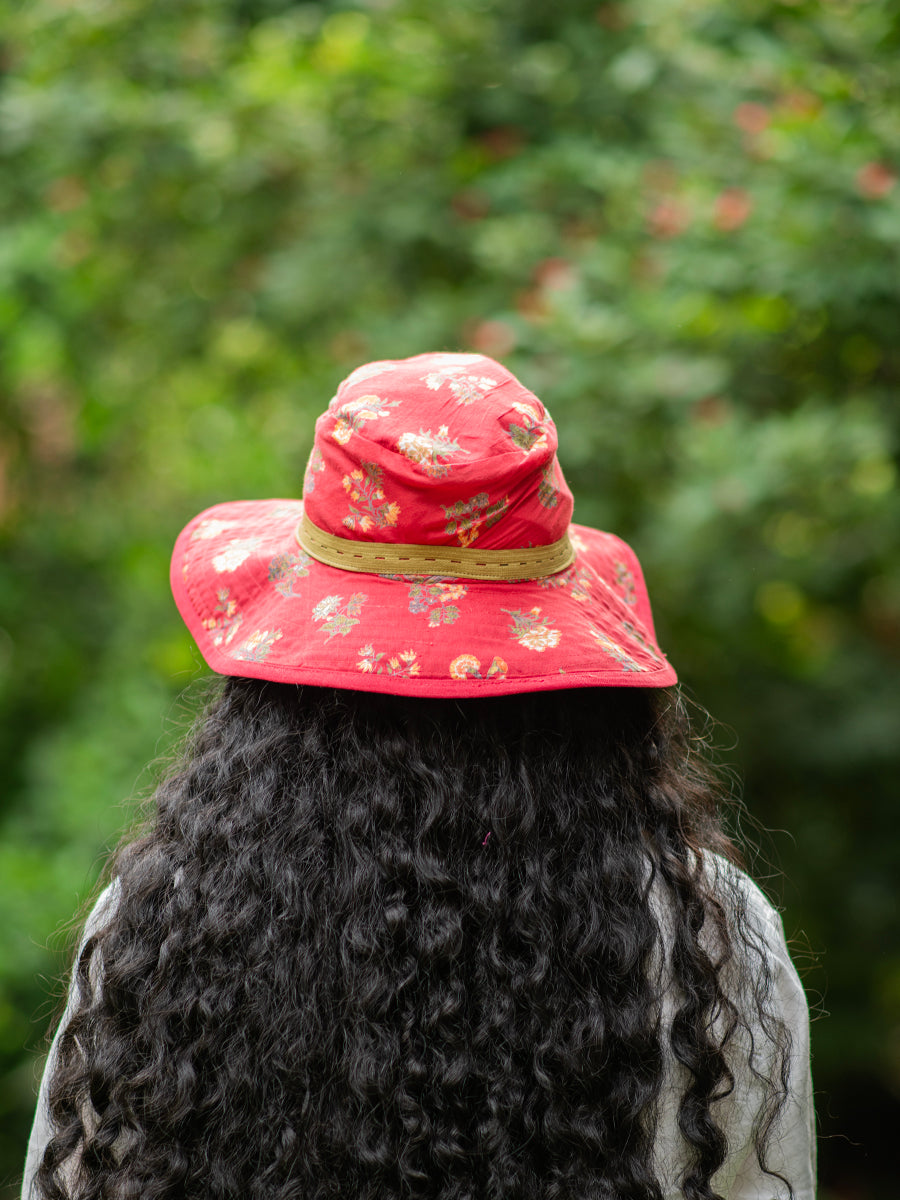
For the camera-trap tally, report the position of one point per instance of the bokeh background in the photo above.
(677, 220)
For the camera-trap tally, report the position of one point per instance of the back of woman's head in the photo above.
(375, 946)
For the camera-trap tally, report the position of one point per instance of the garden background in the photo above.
(676, 220)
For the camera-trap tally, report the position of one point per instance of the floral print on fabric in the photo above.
(257, 646)
(425, 448)
(548, 492)
(645, 644)
(226, 620)
(404, 663)
(338, 616)
(314, 467)
(466, 388)
(285, 569)
(530, 629)
(578, 542)
(531, 434)
(625, 580)
(438, 599)
(364, 488)
(436, 379)
(622, 657)
(353, 414)
(235, 553)
(467, 666)
(211, 528)
(466, 518)
(577, 581)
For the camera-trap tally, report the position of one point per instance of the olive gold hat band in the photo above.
(381, 558)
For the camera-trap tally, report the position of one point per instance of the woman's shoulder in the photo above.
(729, 881)
(742, 895)
(103, 910)
(762, 945)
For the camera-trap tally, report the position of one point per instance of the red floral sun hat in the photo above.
(432, 553)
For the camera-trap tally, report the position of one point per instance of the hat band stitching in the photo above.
(408, 559)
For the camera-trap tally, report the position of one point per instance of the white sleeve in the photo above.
(41, 1130)
(792, 1146)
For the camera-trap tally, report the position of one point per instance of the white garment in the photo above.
(792, 1148)
(792, 1145)
(40, 1130)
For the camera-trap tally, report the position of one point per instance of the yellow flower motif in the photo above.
(467, 666)
(466, 518)
(464, 666)
(403, 663)
(227, 622)
(368, 507)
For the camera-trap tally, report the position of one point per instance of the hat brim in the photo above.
(258, 606)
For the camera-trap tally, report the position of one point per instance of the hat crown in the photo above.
(437, 450)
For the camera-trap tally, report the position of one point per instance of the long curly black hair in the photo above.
(370, 948)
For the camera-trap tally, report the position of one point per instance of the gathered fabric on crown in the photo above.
(432, 553)
(460, 450)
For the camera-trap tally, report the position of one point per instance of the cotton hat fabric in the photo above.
(433, 482)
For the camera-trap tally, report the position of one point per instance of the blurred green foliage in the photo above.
(677, 220)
